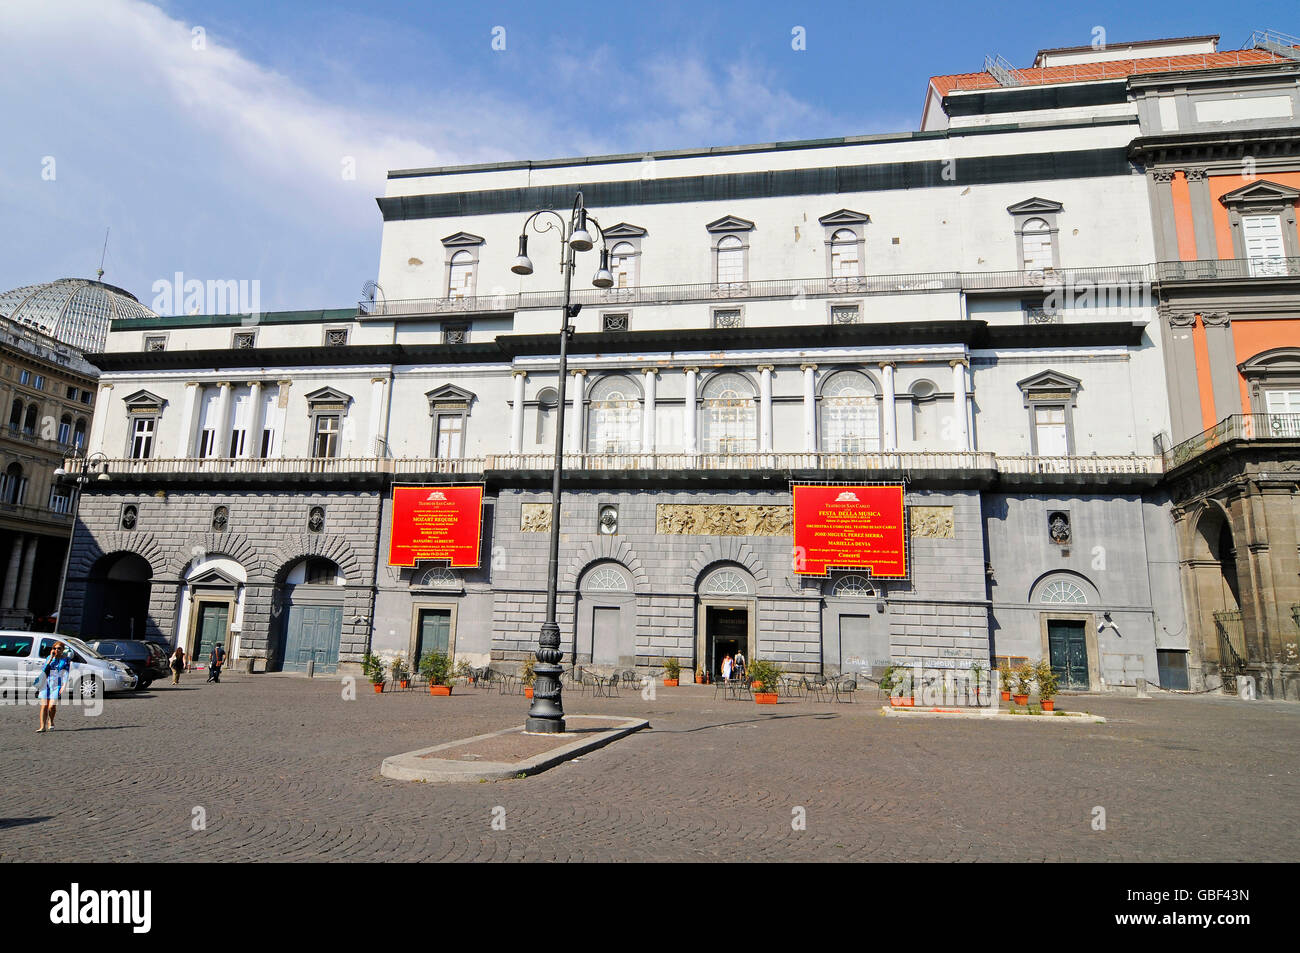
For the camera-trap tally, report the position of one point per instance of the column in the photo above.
(577, 414)
(24, 594)
(651, 376)
(11, 574)
(689, 413)
(95, 439)
(189, 418)
(378, 437)
(889, 423)
(959, 403)
(281, 436)
(221, 439)
(517, 412)
(809, 407)
(765, 408)
(253, 439)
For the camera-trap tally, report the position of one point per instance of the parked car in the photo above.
(148, 661)
(22, 654)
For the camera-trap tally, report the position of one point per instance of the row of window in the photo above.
(24, 418)
(38, 381)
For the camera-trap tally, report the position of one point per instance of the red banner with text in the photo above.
(436, 522)
(850, 527)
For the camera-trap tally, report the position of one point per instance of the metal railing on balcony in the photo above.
(1234, 427)
(1226, 269)
(954, 281)
(936, 460)
(1092, 465)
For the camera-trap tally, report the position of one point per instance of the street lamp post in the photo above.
(80, 478)
(546, 715)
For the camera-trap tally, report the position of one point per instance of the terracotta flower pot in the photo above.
(905, 701)
(1006, 696)
(528, 692)
(1022, 699)
(670, 683)
(439, 689)
(405, 683)
(1049, 704)
(379, 687)
(765, 698)
(699, 679)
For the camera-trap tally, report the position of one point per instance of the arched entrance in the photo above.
(212, 607)
(117, 597)
(1213, 569)
(725, 624)
(605, 633)
(310, 601)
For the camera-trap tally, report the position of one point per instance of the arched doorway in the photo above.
(212, 607)
(605, 623)
(117, 597)
(726, 623)
(310, 600)
(1214, 577)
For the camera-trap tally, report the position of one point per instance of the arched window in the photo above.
(460, 282)
(845, 260)
(1037, 238)
(850, 418)
(614, 416)
(16, 415)
(606, 578)
(731, 259)
(1062, 590)
(548, 399)
(13, 486)
(440, 577)
(725, 582)
(623, 265)
(29, 421)
(65, 429)
(728, 421)
(314, 571)
(79, 433)
(854, 587)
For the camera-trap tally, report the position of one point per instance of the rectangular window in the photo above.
(60, 500)
(846, 314)
(207, 443)
(614, 322)
(39, 382)
(236, 443)
(1263, 237)
(142, 438)
(155, 342)
(1284, 409)
(455, 334)
(451, 437)
(87, 397)
(326, 442)
(72, 392)
(1049, 427)
(268, 438)
(727, 318)
(65, 431)
(25, 377)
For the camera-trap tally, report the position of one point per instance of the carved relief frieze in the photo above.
(932, 522)
(535, 518)
(722, 519)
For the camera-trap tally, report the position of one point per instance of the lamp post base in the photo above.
(546, 715)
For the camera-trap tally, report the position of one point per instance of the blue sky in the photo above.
(223, 159)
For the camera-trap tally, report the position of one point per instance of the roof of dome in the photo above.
(76, 311)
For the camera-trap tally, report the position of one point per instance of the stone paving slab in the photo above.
(509, 753)
(994, 714)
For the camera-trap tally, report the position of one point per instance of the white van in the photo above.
(23, 654)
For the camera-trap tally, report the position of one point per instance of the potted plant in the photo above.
(464, 671)
(436, 667)
(1048, 684)
(372, 666)
(401, 673)
(527, 676)
(1024, 675)
(764, 676)
(977, 674)
(897, 682)
(1004, 679)
(699, 676)
(672, 671)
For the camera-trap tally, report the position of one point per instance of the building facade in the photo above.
(979, 310)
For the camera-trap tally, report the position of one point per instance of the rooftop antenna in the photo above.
(99, 275)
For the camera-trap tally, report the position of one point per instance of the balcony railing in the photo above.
(1126, 275)
(1235, 427)
(901, 461)
(1222, 269)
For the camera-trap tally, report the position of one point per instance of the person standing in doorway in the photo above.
(739, 665)
(177, 665)
(726, 668)
(54, 673)
(216, 659)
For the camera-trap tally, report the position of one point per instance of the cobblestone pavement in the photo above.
(284, 769)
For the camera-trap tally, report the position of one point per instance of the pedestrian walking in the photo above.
(177, 664)
(726, 668)
(739, 665)
(54, 673)
(216, 659)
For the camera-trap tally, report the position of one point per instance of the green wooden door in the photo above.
(432, 633)
(213, 623)
(1068, 649)
(313, 633)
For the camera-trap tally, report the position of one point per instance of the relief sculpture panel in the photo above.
(722, 519)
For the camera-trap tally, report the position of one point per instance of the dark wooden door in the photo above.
(214, 619)
(433, 633)
(313, 633)
(1068, 649)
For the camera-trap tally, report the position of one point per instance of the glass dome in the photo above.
(76, 311)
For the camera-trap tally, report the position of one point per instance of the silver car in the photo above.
(23, 654)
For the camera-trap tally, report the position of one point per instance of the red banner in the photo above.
(850, 527)
(436, 522)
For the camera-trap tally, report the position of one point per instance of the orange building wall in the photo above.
(1183, 225)
(1204, 383)
(1253, 337)
(1223, 184)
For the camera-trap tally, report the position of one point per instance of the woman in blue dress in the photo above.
(54, 674)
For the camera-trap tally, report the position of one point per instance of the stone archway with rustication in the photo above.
(334, 548)
(236, 546)
(732, 550)
(1212, 572)
(605, 549)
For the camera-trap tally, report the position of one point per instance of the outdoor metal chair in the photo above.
(816, 685)
(844, 688)
(576, 682)
(611, 687)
